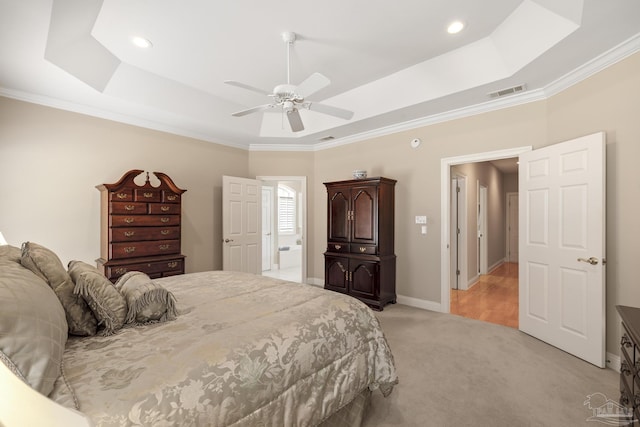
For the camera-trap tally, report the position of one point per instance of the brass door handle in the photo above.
(593, 260)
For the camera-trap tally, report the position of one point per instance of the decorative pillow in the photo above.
(11, 253)
(107, 304)
(148, 301)
(33, 327)
(46, 264)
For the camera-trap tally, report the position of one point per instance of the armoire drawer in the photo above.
(143, 249)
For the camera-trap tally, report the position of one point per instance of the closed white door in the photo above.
(562, 246)
(241, 224)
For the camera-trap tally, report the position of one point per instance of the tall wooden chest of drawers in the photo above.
(140, 227)
(630, 365)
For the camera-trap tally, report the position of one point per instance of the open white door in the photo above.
(241, 224)
(562, 246)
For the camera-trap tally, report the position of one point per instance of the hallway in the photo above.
(494, 298)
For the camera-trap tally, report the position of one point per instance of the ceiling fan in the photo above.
(290, 98)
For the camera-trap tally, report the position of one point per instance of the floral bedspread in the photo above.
(245, 350)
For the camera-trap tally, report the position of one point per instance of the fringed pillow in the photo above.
(147, 301)
(46, 265)
(106, 303)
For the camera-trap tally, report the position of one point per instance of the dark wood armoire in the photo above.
(360, 259)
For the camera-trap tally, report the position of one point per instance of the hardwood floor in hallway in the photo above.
(494, 298)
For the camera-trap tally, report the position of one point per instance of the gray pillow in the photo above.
(46, 265)
(107, 304)
(147, 301)
(33, 327)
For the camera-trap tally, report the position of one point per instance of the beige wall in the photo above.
(51, 160)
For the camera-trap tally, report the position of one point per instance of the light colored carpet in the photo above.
(464, 372)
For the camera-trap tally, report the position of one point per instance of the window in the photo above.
(286, 210)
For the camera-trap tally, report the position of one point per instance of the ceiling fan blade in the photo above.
(248, 87)
(332, 111)
(312, 84)
(294, 120)
(253, 110)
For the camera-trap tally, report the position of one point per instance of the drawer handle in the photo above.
(129, 233)
(363, 249)
(148, 195)
(129, 207)
(129, 220)
(164, 208)
(337, 247)
(165, 219)
(172, 264)
(172, 198)
(122, 196)
(625, 341)
(165, 232)
(164, 247)
(120, 270)
(130, 249)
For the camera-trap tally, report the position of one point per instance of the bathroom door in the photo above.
(241, 224)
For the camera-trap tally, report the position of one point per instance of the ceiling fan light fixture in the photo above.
(455, 27)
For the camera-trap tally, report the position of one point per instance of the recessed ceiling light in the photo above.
(141, 42)
(455, 27)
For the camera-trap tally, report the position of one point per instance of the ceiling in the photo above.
(392, 64)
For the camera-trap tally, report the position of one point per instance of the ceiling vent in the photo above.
(508, 91)
(327, 138)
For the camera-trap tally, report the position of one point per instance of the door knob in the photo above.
(593, 260)
(228, 240)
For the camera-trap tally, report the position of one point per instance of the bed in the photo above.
(243, 350)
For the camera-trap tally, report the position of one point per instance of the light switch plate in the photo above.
(421, 219)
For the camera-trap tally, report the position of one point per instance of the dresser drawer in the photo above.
(164, 209)
(338, 247)
(131, 208)
(363, 249)
(144, 220)
(121, 196)
(146, 195)
(142, 249)
(170, 197)
(153, 269)
(134, 234)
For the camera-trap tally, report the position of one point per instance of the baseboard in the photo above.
(315, 281)
(613, 362)
(419, 303)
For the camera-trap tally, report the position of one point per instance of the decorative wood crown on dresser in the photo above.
(140, 227)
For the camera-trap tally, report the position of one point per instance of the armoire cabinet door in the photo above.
(364, 278)
(338, 215)
(336, 273)
(364, 207)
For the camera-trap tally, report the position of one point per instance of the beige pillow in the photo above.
(46, 265)
(147, 301)
(10, 253)
(33, 327)
(107, 304)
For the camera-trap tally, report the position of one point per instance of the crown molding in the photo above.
(612, 56)
(111, 115)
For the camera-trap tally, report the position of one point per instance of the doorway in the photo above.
(285, 227)
(482, 246)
